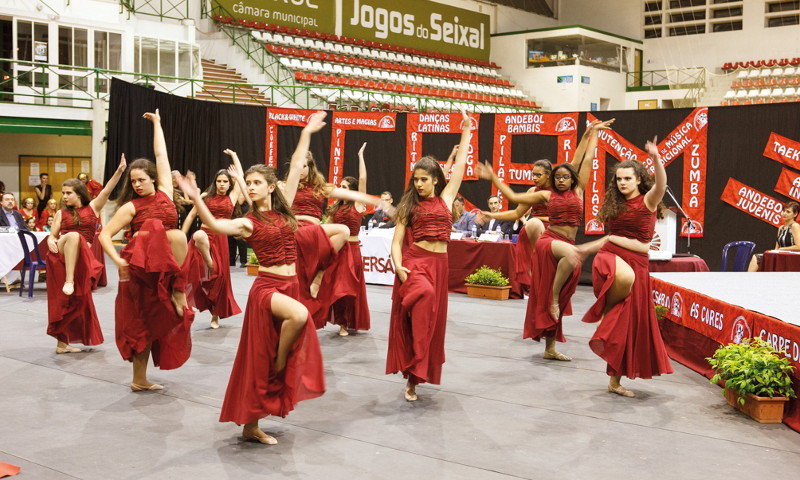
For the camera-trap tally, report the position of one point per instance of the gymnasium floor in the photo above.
(501, 412)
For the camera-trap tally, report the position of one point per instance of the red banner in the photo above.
(782, 336)
(343, 121)
(789, 184)
(752, 202)
(563, 125)
(690, 139)
(419, 124)
(294, 117)
(784, 150)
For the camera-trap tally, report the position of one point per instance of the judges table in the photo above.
(780, 261)
(690, 263)
(464, 256)
(11, 252)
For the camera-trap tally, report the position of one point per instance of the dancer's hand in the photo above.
(651, 148)
(361, 150)
(466, 120)
(188, 186)
(124, 271)
(316, 121)
(485, 171)
(402, 273)
(122, 164)
(153, 117)
(604, 125)
(52, 244)
(235, 173)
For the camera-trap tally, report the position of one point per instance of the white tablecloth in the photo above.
(11, 252)
(376, 254)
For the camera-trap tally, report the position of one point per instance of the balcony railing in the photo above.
(677, 78)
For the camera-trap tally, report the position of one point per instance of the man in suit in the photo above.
(10, 216)
(492, 225)
(384, 214)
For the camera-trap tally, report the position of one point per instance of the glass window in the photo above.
(114, 51)
(149, 52)
(25, 41)
(569, 50)
(727, 26)
(64, 46)
(783, 21)
(783, 6)
(81, 48)
(166, 58)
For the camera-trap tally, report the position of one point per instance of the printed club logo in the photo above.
(700, 119)
(386, 122)
(677, 305)
(740, 330)
(691, 227)
(594, 225)
(566, 124)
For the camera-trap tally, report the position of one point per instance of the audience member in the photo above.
(28, 210)
(463, 220)
(31, 224)
(92, 185)
(788, 235)
(11, 217)
(43, 192)
(384, 214)
(492, 225)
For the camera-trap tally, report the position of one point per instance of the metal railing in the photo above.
(171, 9)
(678, 78)
(45, 84)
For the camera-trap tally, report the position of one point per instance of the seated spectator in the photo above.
(788, 234)
(10, 216)
(28, 209)
(49, 211)
(93, 186)
(31, 224)
(384, 214)
(464, 220)
(48, 224)
(490, 224)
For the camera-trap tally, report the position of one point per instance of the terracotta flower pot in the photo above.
(760, 409)
(252, 269)
(488, 291)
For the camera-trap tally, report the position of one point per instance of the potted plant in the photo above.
(757, 378)
(487, 282)
(252, 263)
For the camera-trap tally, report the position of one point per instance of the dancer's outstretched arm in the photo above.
(163, 170)
(529, 198)
(225, 226)
(584, 154)
(451, 189)
(316, 121)
(653, 197)
(100, 201)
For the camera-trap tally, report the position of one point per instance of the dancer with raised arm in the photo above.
(72, 267)
(557, 265)
(628, 337)
(208, 251)
(151, 309)
(279, 362)
(419, 298)
(347, 292)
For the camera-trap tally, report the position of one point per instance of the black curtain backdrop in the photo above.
(197, 132)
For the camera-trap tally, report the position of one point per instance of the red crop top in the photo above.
(348, 215)
(273, 243)
(306, 202)
(88, 226)
(431, 220)
(159, 207)
(540, 209)
(636, 221)
(565, 209)
(220, 206)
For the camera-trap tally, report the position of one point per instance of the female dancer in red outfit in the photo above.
(419, 299)
(279, 362)
(628, 337)
(347, 294)
(70, 308)
(209, 251)
(556, 264)
(317, 244)
(151, 310)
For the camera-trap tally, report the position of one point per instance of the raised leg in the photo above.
(69, 244)
(338, 235)
(567, 258)
(294, 316)
(177, 243)
(204, 247)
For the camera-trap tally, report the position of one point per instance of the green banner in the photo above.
(317, 15)
(418, 24)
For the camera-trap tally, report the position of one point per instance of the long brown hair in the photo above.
(410, 200)
(615, 203)
(352, 184)
(278, 201)
(82, 192)
(315, 178)
(128, 193)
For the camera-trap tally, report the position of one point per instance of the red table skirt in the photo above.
(465, 256)
(780, 262)
(679, 264)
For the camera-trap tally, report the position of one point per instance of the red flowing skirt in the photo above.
(255, 390)
(72, 318)
(97, 250)
(144, 310)
(314, 253)
(628, 337)
(538, 321)
(212, 289)
(523, 261)
(419, 317)
(345, 289)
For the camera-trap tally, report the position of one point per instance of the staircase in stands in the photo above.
(223, 84)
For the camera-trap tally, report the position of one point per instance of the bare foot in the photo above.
(556, 356)
(68, 288)
(257, 435)
(145, 386)
(343, 331)
(214, 321)
(66, 348)
(555, 312)
(620, 390)
(179, 302)
(314, 290)
(410, 393)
